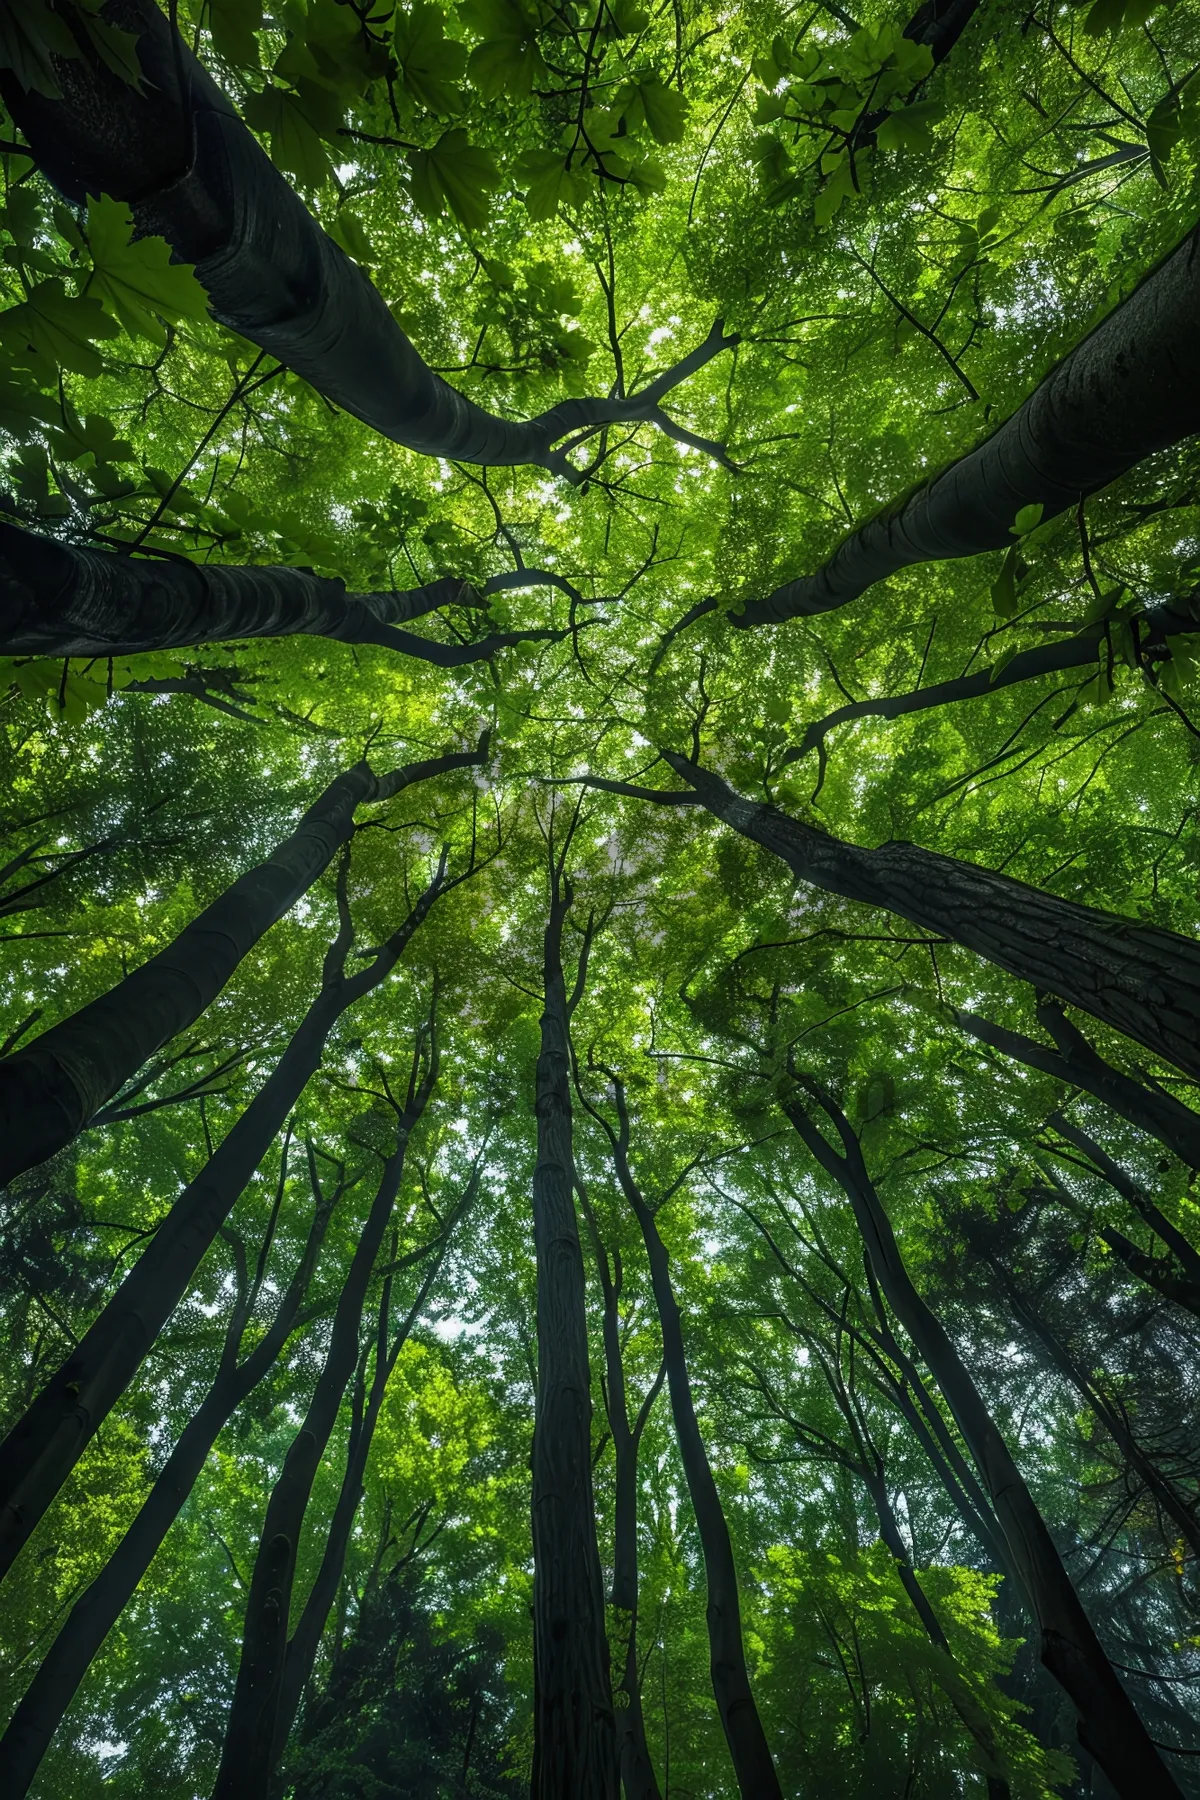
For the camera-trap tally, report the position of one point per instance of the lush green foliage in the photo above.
(558, 199)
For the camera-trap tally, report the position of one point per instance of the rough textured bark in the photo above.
(749, 1752)
(1075, 1062)
(1130, 388)
(71, 600)
(574, 1748)
(1108, 1725)
(251, 1732)
(182, 159)
(633, 1756)
(40, 1711)
(51, 1088)
(1137, 978)
(42, 1448)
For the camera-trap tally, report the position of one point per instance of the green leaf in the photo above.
(134, 278)
(348, 230)
(430, 63)
(508, 60)
(31, 36)
(54, 330)
(455, 173)
(1027, 520)
(1004, 588)
(664, 110)
(287, 120)
(1164, 128)
(911, 127)
(233, 24)
(116, 49)
(551, 183)
(838, 187)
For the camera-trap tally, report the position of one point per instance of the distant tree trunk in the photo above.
(1137, 978)
(98, 1608)
(1108, 1725)
(574, 1732)
(1130, 388)
(251, 1732)
(1115, 1175)
(43, 1447)
(193, 174)
(749, 1752)
(1158, 1272)
(1076, 1063)
(633, 1756)
(52, 1087)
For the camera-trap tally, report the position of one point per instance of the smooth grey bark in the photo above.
(749, 1752)
(574, 1748)
(633, 1756)
(1141, 980)
(1075, 1062)
(1108, 1725)
(46, 1442)
(66, 600)
(178, 154)
(92, 1617)
(251, 1730)
(56, 1083)
(1131, 387)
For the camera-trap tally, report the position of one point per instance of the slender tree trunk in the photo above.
(1137, 978)
(49, 1694)
(633, 1756)
(1130, 388)
(43, 1447)
(1108, 1725)
(1076, 1063)
(749, 1752)
(251, 1732)
(1158, 1272)
(192, 173)
(1115, 1175)
(52, 1087)
(574, 1733)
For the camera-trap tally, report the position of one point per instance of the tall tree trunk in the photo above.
(1076, 1063)
(43, 1447)
(574, 1749)
(1108, 1725)
(49, 1694)
(251, 1732)
(1137, 978)
(633, 1756)
(1130, 388)
(305, 1640)
(52, 1087)
(749, 1752)
(193, 174)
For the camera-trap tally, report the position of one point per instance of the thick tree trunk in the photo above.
(52, 1087)
(1109, 1727)
(1078, 1065)
(43, 1447)
(49, 1694)
(251, 1732)
(749, 1752)
(574, 1731)
(1141, 980)
(195, 175)
(1130, 388)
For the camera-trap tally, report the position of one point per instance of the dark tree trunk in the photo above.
(252, 1730)
(50, 1089)
(1130, 388)
(1116, 1176)
(1158, 1272)
(1137, 978)
(1076, 1063)
(574, 1731)
(633, 1756)
(98, 1608)
(749, 1752)
(1108, 1725)
(42, 1448)
(195, 175)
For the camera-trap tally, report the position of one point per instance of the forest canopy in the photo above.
(599, 928)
